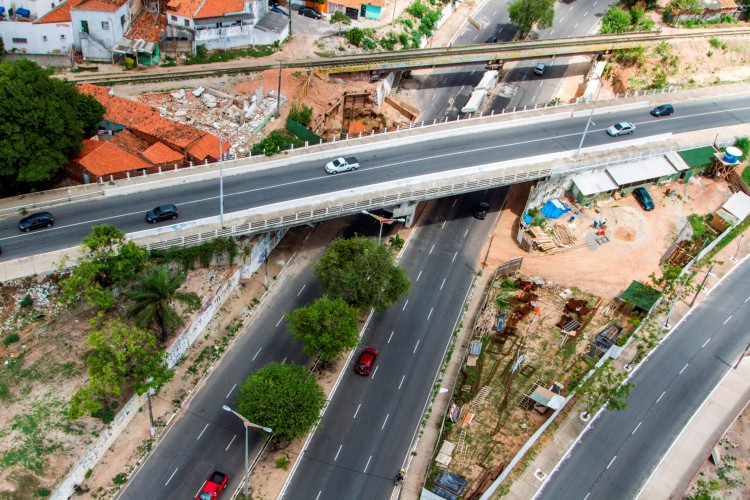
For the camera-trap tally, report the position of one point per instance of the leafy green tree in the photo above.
(326, 327)
(605, 388)
(108, 261)
(363, 273)
(527, 13)
(119, 357)
(355, 36)
(338, 18)
(43, 123)
(283, 397)
(152, 299)
(615, 20)
(300, 113)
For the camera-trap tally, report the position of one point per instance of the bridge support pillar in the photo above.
(405, 210)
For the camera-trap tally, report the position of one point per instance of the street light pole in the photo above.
(588, 122)
(382, 220)
(278, 97)
(247, 424)
(221, 180)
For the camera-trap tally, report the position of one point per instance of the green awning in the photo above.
(640, 295)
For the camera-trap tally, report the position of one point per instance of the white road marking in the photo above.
(279, 321)
(433, 97)
(300, 291)
(454, 202)
(662, 395)
(368, 463)
(337, 453)
(706, 342)
(465, 233)
(385, 421)
(319, 492)
(230, 442)
(433, 248)
(283, 360)
(441, 227)
(636, 428)
(441, 284)
(431, 309)
(575, 26)
(683, 368)
(355, 413)
(419, 275)
(561, 19)
(390, 337)
(407, 301)
(204, 430)
(256, 354)
(610, 462)
(748, 298)
(587, 13)
(230, 391)
(454, 257)
(402, 381)
(415, 347)
(374, 372)
(587, 495)
(594, 4)
(727, 320)
(170, 477)
(552, 33)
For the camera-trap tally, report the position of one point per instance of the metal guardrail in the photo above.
(45, 203)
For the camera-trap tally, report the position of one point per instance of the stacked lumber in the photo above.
(563, 236)
(542, 239)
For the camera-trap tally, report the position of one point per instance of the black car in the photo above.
(308, 12)
(491, 39)
(162, 212)
(643, 198)
(481, 211)
(36, 221)
(663, 110)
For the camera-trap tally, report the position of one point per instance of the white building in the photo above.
(98, 25)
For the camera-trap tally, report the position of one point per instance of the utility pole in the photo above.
(278, 96)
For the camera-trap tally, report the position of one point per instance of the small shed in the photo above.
(655, 170)
(698, 160)
(732, 212)
(475, 349)
(547, 399)
(587, 188)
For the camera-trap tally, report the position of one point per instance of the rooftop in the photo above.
(147, 26)
(161, 153)
(60, 14)
(102, 158)
(101, 5)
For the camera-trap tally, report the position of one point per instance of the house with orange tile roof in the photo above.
(100, 161)
(46, 30)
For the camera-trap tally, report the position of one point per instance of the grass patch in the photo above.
(31, 444)
(202, 56)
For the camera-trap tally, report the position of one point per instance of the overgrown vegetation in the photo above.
(200, 255)
(203, 56)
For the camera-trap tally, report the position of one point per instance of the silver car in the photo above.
(621, 128)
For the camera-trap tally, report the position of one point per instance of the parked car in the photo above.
(311, 13)
(162, 212)
(36, 221)
(622, 128)
(491, 39)
(540, 69)
(279, 10)
(643, 198)
(213, 486)
(481, 211)
(663, 110)
(366, 361)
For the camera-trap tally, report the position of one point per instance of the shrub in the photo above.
(403, 39)
(369, 44)
(275, 142)
(301, 114)
(355, 36)
(389, 41)
(710, 53)
(407, 23)
(11, 338)
(26, 302)
(120, 479)
(129, 63)
(43, 492)
(715, 43)
(743, 143)
(282, 463)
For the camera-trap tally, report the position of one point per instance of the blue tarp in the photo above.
(554, 209)
(23, 12)
(2, 9)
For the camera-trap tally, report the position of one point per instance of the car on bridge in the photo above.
(342, 165)
(622, 128)
(662, 110)
(162, 212)
(36, 221)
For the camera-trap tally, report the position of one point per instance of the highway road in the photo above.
(616, 456)
(368, 427)
(306, 178)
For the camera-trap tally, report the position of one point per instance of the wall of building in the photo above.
(38, 8)
(237, 36)
(37, 38)
(105, 29)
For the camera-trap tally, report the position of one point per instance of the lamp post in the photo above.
(278, 97)
(247, 424)
(589, 122)
(382, 220)
(221, 180)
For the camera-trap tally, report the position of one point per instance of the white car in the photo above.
(342, 165)
(621, 128)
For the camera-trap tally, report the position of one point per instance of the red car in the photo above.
(213, 487)
(366, 361)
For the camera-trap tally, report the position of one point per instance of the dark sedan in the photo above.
(36, 221)
(162, 212)
(311, 13)
(644, 198)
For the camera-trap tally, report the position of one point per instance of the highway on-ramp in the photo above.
(616, 456)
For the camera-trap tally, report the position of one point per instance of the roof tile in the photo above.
(60, 14)
(161, 153)
(102, 158)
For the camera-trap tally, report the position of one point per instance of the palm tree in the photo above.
(152, 298)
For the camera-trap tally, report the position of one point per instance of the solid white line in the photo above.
(283, 360)
(256, 354)
(279, 321)
(587, 495)
(407, 301)
(441, 284)
(374, 372)
(683, 368)
(230, 442)
(385, 421)
(300, 290)
(748, 298)
(390, 337)
(230, 391)
(441, 227)
(727, 320)
(636, 427)
(356, 412)
(465, 233)
(419, 275)
(415, 347)
(204, 430)
(706, 342)
(337, 453)
(662, 395)
(610, 462)
(454, 257)
(431, 309)
(402, 381)
(170, 477)
(431, 249)
(368, 463)
(319, 492)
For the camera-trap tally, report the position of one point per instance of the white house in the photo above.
(46, 31)
(29, 10)
(98, 25)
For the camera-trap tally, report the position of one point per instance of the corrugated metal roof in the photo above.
(643, 170)
(597, 182)
(738, 205)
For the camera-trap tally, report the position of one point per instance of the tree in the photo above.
(615, 20)
(119, 356)
(283, 397)
(43, 123)
(152, 298)
(338, 18)
(362, 273)
(108, 261)
(326, 327)
(527, 13)
(605, 388)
